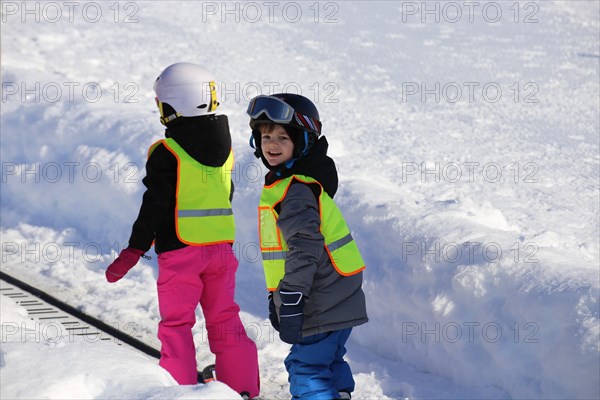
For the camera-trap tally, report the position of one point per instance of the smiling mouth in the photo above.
(273, 154)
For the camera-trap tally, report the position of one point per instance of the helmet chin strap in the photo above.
(286, 166)
(290, 163)
(306, 148)
(252, 143)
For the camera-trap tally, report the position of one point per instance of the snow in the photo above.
(468, 155)
(41, 362)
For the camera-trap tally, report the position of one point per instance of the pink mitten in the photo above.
(126, 260)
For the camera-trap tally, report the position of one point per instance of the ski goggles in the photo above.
(275, 109)
(280, 112)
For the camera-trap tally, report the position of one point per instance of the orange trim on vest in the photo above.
(339, 271)
(154, 146)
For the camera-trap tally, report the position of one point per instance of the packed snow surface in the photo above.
(466, 136)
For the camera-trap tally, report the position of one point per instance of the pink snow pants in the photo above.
(205, 275)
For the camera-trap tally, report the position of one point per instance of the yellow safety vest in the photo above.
(339, 244)
(203, 213)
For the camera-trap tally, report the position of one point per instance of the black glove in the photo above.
(291, 316)
(273, 313)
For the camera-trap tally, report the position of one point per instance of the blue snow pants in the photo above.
(316, 367)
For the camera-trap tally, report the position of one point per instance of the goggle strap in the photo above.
(308, 122)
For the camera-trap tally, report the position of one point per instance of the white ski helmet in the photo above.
(185, 90)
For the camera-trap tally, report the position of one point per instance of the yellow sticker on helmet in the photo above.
(213, 97)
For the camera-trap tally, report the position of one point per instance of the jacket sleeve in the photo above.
(158, 199)
(299, 222)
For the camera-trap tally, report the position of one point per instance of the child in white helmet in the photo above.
(186, 212)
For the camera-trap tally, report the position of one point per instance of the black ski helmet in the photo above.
(302, 123)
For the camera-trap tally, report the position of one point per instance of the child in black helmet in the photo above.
(313, 268)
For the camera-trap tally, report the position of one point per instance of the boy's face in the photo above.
(276, 145)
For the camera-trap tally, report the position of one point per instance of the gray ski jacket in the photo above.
(333, 301)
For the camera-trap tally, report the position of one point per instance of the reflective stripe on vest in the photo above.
(203, 213)
(339, 244)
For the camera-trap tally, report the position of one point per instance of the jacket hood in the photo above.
(206, 138)
(316, 164)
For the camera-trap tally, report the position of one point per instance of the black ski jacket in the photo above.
(208, 140)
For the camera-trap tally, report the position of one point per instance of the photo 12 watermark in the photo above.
(54, 12)
(453, 12)
(470, 252)
(71, 92)
(70, 172)
(51, 252)
(469, 332)
(469, 92)
(517, 172)
(317, 92)
(270, 11)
